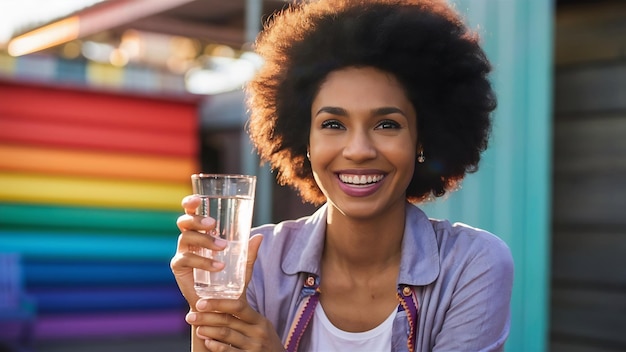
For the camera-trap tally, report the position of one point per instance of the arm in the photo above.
(478, 317)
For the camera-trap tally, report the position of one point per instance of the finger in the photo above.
(190, 204)
(219, 327)
(216, 319)
(182, 263)
(194, 241)
(183, 274)
(218, 346)
(195, 222)
(222, 338)
(239, 308)
(182, 266)
(190, 220)
(189, 256)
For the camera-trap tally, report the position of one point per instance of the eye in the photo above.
(387, 124)
(332, 124)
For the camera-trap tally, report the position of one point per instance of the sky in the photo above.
(15, 14)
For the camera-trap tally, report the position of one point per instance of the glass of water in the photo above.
(229, 199)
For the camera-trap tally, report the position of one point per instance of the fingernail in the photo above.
(207, 221)
(199, 334)
(220, 242)
(191, 317)
(201, 304)
(217, 265)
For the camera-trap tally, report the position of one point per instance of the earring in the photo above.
(308, 155)
(420, 156)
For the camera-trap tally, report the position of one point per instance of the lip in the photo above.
(361, 190)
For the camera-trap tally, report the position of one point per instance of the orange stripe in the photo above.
(92, 163)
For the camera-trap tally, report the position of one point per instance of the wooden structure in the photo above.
(588, 298)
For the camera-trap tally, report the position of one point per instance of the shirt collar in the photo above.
(305, 253)
(419, 264)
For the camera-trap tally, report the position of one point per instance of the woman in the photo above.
(367, 108)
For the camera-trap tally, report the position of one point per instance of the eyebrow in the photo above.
(332, 110)
(387, 110)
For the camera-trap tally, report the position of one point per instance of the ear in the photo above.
(420, 154)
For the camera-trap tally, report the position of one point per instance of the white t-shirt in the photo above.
(325, 337)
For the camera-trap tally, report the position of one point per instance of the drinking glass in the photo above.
(228, 199)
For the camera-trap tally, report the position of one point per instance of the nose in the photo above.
(359, 146)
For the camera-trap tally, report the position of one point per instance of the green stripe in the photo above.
(35, 216)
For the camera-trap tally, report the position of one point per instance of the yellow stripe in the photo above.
(95, 164)
(7, 64)
(104, 75)
(45, 189)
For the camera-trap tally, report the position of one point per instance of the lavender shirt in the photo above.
(463, 278)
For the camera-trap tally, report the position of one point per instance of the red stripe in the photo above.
(45, 103)
(111, 139)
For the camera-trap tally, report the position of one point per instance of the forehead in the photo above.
(361, 88)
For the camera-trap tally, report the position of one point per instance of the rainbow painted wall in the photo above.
(90, 189)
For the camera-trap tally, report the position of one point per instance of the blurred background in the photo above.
(107, 107)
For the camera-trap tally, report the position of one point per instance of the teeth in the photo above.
(360, 180)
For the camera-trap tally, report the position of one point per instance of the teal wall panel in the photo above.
(510, 194)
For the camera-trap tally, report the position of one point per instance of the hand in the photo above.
(232, 325)
(185, 260)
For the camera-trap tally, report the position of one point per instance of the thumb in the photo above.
(253, 249)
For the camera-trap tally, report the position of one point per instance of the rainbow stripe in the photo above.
(90, 189)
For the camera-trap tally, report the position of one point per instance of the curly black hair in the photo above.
(423, 43)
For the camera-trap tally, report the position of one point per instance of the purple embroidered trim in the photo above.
(304, 314)
(408, 301)
(406, 296)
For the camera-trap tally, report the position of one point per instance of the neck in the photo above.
(364, 245)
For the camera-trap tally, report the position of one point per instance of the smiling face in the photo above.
(363, 141)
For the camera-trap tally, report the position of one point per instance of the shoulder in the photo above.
(472, 250)
(450, 236)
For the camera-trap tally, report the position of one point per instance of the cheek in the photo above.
(403, 158)
(399, 150)
(406, 160)
(322, 148)
(315, 169)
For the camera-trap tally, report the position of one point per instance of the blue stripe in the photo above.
(57, 273)
(89, 299)
(59, 244)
